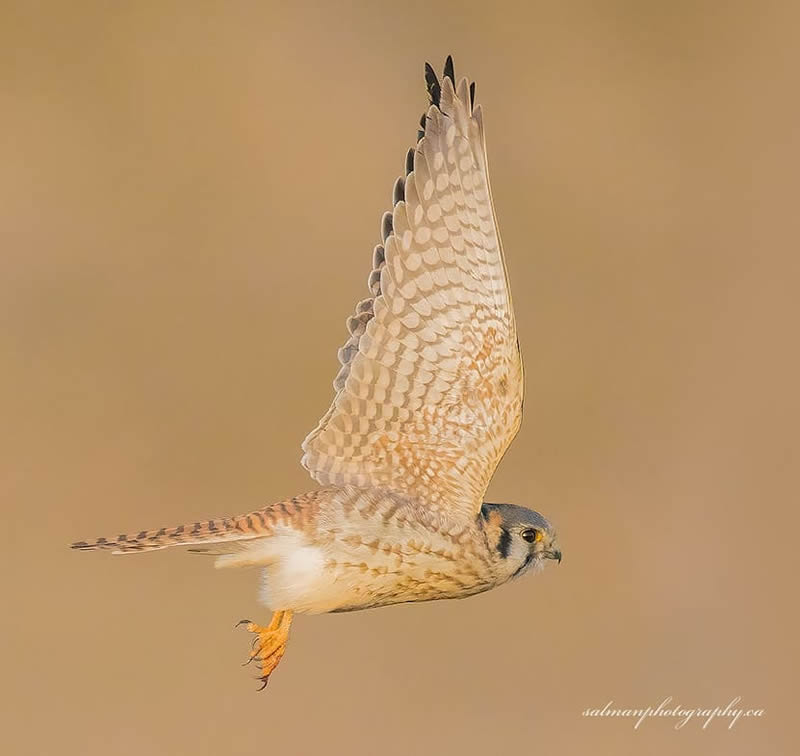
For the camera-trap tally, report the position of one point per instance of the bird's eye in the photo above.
(530, 535)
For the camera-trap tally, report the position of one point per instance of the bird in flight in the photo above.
(427, 400)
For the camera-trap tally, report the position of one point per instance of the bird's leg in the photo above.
(270, 642)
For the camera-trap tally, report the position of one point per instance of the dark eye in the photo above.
(530, 534)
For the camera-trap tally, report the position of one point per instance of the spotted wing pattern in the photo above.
(429, 395)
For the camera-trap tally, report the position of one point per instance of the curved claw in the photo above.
(252, 658)
(269, 643)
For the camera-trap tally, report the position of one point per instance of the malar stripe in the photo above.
(504, 543)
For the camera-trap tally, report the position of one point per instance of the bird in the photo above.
(427, 399)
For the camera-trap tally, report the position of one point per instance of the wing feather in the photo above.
(429, 395)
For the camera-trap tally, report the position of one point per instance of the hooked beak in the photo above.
(553, 554)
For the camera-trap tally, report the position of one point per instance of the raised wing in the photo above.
(429, 395)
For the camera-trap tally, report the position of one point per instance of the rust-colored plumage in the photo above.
(226, 530)
(427, 400)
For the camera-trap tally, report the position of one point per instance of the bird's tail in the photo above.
(241, 528)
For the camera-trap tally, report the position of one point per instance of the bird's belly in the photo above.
(303, 582)
(315, 579)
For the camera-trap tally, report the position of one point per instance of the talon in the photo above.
(269, 643)
(254, 653)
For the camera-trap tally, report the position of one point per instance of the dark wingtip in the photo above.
(386, 226)
(449, 72)
(472, 95)
(432, 82)
(399, 191)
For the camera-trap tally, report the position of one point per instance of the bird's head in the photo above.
(520, 537)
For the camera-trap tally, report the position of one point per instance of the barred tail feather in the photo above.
(241, 528)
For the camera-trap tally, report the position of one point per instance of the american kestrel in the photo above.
(427, 400)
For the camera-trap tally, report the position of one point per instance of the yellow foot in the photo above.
(269, 645)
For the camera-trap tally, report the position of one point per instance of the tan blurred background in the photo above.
(189, 196)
